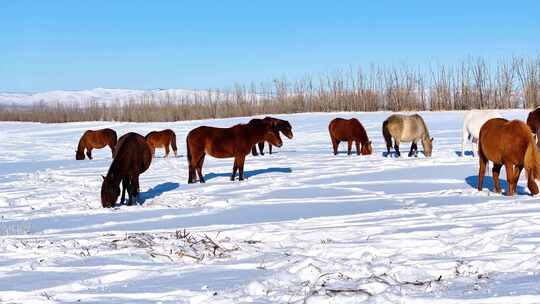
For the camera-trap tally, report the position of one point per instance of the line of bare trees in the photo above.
(472, 84)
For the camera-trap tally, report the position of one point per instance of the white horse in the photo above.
(472, 122)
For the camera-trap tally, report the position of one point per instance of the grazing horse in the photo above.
(407, 128)
(165, 138)
(508, 143)
(349, 130)
(472, 122)
(133, 156)
(281, 125)
(235, 141)
(95, 140)
(533, 121)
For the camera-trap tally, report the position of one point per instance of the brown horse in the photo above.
(508, 143)
(349, 130)
(281, 125)
(234, 142)
(95, 140)
(533, 121)
(133, 156)
(165, 138)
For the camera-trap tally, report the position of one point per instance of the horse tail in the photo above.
(188, 151)
(114, 139)
(532, 159)
(173, 141)
(386, 134)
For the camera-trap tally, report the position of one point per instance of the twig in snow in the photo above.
(155, 254)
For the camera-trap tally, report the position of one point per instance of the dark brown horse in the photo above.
(133, 156)
(234, 142)
(508, 143)
(349, 130)
(533, 121)
(95, 140)
(281, 125)
(165, 138)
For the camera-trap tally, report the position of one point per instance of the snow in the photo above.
(305, 227)
(100, 95)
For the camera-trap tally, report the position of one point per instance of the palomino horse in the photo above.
(281, 125)
(508, 143)
(95, 140)
(133, 156)
(407, 128)
(472, 122)
(165, 138)
(234, 142)
(533, 121)
(349, 130)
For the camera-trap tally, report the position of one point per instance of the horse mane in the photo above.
(148, 135)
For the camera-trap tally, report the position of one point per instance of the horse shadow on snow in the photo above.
(488, 183)
(156, 191)
(248, 174)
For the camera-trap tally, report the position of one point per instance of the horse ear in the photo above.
(103, 177)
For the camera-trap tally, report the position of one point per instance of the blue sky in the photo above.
(46, 45)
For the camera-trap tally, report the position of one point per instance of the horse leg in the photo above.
(531, 183)
(199, 168)
(134, 189)
(335, 144)
(261, 147)
(130, 193)
(464, 137)
(496, 171)
(396, 147)
(482, 171)
(254, 150)
(192, 174)
(124, 187)
(235, 167)
(413, 147)
(357, 144)
(349, 147)
(112, 150)
(509, 178)
(166, 151)
(269, 148)
(89, 153)
(517, 173)
(241, 161)
(388, 147)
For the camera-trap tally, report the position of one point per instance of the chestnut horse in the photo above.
(281, 125)
(95, 140)
(133, 156)
(533, 121)
(349, 130)
(234, 142)
(407, 128)
(165, 138)
(508, 143)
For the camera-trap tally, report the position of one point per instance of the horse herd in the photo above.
(508, 143)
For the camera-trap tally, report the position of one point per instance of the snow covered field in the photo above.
(305, 227)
